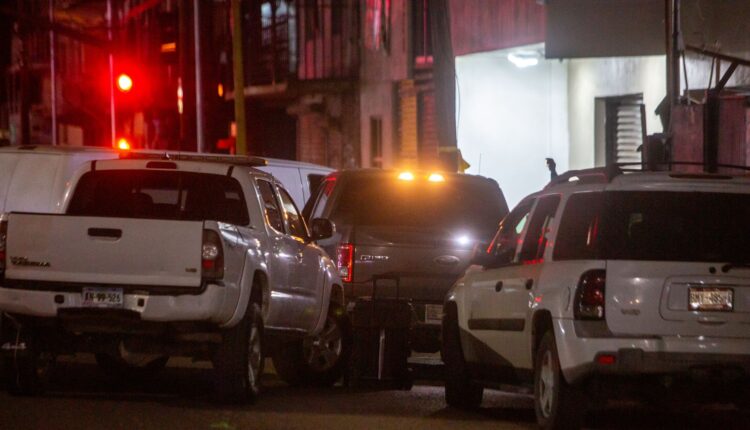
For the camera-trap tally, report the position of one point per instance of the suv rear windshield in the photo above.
(159, 195)
(655, 226)
(476, 205)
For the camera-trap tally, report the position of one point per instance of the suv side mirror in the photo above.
(321, 228)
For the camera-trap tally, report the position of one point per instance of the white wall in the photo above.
(699, 72)
(513, 119)
(604, 77)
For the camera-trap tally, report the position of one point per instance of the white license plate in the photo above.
(102, 297)
(710, 299)
(433, 314)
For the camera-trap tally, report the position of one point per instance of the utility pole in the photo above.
(674, 54)
(182, 39)
(23, 67)
(239, 78)
(200, 138)
(113, 123)
(53, 74)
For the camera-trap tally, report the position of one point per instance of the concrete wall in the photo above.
(328, 129)
(513, 119)
(589, 79)
(378, 99)
(605, 77)
(379, 72)
(699, 72)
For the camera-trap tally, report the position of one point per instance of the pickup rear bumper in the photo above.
(208, 306)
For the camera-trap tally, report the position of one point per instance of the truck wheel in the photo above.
(460, 391)
(557, 404)
(122, 368)
(28, 371)
(238, 362)
(317, 360)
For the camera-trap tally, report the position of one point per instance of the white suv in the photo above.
(602, 280)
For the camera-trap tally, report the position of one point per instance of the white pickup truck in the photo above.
(171, 255)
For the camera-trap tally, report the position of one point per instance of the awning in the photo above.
(611, 28)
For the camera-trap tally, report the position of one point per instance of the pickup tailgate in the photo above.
(93, 250)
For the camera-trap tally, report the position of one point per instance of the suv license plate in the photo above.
(710, 299)
(433, 314)
(102, 297)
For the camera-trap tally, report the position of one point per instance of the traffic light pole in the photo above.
(52, 71)
(200, 141)
(113, 122)
(239, 78)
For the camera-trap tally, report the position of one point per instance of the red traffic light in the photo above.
(124, 83)
(123, 144)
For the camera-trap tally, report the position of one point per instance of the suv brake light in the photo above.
(590, 297)
(212, 256)
(345, 261)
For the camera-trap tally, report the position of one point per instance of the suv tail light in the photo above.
(3, 240)
(345, 261)
(212, 256)
(590, 297)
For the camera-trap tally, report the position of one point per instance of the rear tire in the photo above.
(317, 360)
(557, 404)
(460, 391)
(238, 362)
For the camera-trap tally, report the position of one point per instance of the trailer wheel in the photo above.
(27, 368)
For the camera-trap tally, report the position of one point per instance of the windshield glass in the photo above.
(656, 226)
(159, 195)
(457, 203)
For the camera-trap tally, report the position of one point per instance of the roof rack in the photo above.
(56, 148)
(239, 160)
(606, 174)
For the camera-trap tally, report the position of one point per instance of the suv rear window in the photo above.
(476, 205)
(655, 226)
(159, 195)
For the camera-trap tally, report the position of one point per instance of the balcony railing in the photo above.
(304, 40)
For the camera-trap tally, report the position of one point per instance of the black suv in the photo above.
(417, 227)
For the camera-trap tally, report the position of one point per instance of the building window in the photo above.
(422, 32)
(377, 24)
(312, 18)
(376, 142)
(337, 17)
(620, 129)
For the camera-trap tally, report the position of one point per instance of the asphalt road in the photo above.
(81, 397)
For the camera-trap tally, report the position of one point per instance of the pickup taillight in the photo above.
(345, 261)
(590, 297)
(212, 256)
(3, 240)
